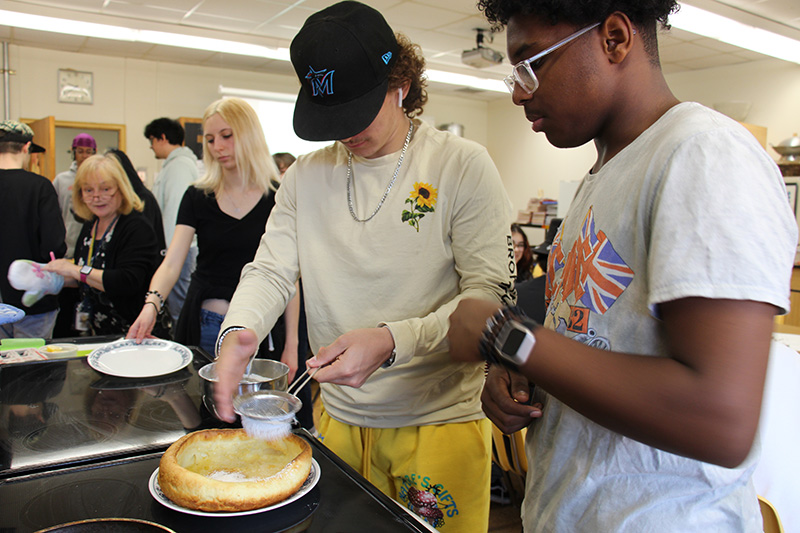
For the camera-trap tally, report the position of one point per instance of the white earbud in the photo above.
(399, 97)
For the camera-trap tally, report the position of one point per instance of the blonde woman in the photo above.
(116, 251)
(227, 209)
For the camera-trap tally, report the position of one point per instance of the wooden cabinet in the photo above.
(793, 318)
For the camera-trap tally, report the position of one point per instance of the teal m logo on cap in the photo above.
(386, 57)
(321, 81)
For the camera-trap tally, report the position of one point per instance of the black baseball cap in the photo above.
(13, 131)
(342, 56)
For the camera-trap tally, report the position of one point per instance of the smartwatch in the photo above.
(85, 270)
(514, 342)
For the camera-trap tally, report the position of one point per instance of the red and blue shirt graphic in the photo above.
(591, 276)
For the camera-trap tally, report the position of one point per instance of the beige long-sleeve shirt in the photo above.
(442, 234)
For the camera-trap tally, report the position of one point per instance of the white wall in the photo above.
(529, 164)
(134, 92)
(772, 86)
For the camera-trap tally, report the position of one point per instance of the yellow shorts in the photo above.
(442, 472)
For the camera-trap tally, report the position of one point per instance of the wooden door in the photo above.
(44, 134)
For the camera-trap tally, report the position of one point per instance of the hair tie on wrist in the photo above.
(154, 305)
(158, 295)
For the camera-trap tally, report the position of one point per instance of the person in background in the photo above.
(116, 253)
(389, 228)
(83, 147)
(150, 209)
(283, 160)
(523, 256)
(648, 373)
(178, 171)
(531, 292)
(227, 209)
(30, 228)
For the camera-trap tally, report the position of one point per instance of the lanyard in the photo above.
(90, 258)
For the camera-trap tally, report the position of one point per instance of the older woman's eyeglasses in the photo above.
(103, 193)
(523, 74)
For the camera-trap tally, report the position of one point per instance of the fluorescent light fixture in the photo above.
(119, 33)
(258, 95)
(708, 24)
(470, 81)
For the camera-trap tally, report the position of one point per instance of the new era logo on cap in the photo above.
(387, 57)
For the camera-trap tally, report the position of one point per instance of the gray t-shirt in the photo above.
(694, 207)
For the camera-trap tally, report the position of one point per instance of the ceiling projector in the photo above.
(480, 56)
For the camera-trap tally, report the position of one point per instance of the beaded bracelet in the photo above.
(158, 295)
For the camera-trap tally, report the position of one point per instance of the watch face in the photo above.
(85, 269)
(513, 342)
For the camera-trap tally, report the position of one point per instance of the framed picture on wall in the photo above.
(792, 190)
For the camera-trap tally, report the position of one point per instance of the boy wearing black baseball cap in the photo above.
(30, 228)
(390, 227)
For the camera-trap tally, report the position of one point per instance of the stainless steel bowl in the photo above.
(265, 374)
(789, 149)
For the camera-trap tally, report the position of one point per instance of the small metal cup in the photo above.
(265, 374)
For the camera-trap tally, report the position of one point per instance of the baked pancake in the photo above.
(226, 470)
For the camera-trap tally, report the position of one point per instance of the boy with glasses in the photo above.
(663, 283)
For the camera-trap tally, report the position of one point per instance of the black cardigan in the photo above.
(128, 260)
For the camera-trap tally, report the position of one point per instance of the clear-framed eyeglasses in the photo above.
(523, 74)
(104, 193)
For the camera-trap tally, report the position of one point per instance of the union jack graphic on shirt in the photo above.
(594, 273)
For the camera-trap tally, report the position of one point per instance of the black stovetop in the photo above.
(62, 412)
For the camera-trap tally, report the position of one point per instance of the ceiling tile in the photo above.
(712, 61)
(468, 7)
(216, 22)
(685, 51)
(251, 10)
(167, 15)
(411, 15)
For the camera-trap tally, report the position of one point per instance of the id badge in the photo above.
(81, 318)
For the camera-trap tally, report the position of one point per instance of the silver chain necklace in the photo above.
(389, 188)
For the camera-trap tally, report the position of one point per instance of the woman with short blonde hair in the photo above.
(112, 172)
(116, 252)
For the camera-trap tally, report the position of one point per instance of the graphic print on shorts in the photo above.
(430, 501)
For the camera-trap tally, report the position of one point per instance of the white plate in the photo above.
(310, 482)
(127, 359)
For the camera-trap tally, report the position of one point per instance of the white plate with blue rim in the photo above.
(150, 358)
(305, 488)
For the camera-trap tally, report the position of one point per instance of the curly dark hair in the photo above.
(410, 66)
(643, 13)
